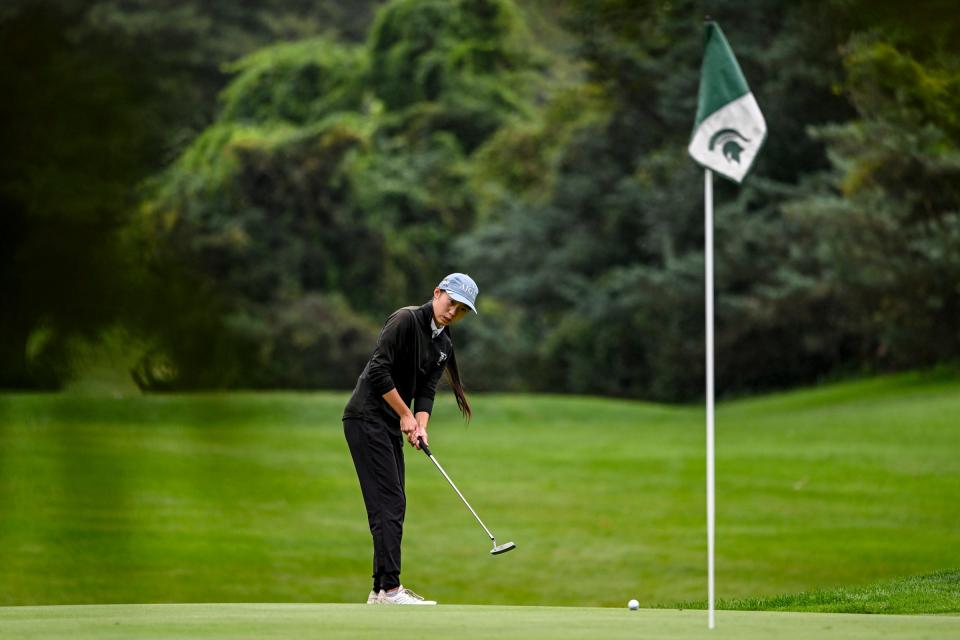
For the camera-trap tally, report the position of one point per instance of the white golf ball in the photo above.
(634, 605)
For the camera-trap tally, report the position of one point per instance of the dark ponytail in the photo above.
(453, 377)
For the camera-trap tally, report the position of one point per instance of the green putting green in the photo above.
(360, 622)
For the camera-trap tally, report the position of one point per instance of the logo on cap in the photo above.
(462, 288)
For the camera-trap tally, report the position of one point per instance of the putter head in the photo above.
(502, 548)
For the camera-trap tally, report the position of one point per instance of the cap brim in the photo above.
(460, 298)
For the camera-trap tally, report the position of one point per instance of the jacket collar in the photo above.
(424, 315)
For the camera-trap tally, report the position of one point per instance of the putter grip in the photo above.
(423, 445)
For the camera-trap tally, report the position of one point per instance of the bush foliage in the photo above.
(541, 149)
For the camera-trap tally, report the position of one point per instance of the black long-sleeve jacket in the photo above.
(406, 357)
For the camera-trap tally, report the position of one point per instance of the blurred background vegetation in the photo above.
(204, 195)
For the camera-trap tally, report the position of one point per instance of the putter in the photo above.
(497, 549)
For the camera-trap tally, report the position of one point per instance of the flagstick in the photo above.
(711, 502)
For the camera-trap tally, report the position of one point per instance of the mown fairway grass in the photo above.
(253, 498)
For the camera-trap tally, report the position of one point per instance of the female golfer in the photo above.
(413, 349)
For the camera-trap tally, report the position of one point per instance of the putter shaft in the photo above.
(426, 450)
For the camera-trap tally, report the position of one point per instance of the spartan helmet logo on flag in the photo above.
(728, 143)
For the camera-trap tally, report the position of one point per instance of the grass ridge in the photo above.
(931, 593)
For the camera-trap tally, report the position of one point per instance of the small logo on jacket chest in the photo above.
(441, 359)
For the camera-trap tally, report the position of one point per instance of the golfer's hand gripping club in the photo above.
(424, 447)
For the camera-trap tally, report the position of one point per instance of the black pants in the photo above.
(377, 452)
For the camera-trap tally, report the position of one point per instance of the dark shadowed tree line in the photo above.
(351, 159)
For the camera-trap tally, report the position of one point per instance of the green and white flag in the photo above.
(730, 129)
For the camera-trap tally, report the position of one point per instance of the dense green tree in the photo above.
(341, 171)
(817, 274)
(615, 297)
(100, 95)
(73, 146)
(318, 187)
(888, 213)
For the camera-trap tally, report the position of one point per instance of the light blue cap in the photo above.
(461, 288)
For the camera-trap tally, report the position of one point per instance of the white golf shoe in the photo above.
(402, 596)
(372, 598)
